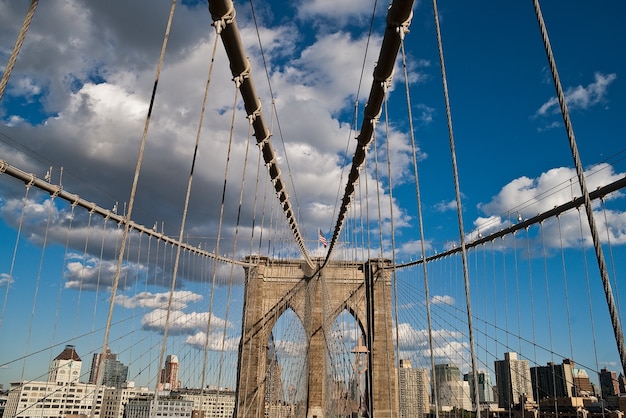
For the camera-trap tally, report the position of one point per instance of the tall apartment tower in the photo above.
(114, 373)
(65, 368)
(553, 380)
(513, 381)
(451, 391)
(413, 391)
(169, 375)
(609, 383)
(485, 387)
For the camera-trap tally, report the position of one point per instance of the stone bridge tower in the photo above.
(317, 297)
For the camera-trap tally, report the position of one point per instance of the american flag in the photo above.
(323, 238)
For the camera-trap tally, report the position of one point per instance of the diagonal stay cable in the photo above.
(223, 15)
(604, 275)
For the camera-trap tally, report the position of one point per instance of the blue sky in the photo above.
(78, 98)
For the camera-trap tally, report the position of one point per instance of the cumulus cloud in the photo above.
(448, 346)
(180, 300)
(181, 322)
(442, 300)
(214, 342)
(413, 249)
(91, 273)
(332, 10)
(526, 197)
(94, 97)
(446, 206)
(581, 97)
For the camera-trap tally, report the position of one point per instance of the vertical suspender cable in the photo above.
(606, 283)
(51, 206)
(18, 45)
(458, 208)
(393, 245)
(418, 198)
(17, 242)
(131, 204)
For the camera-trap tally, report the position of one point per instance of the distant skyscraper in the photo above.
(413, 391)
(512, 380)
(451, 391)
(485, 387)
(609, 383)
(169, 375)
(553, 380)
(274, 379)
(114, 372)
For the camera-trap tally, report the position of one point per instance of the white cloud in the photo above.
(180, 300)
(446, 206)
(333, 10)
(579, 97)
(413, 249)
(447, 344)
(5, 279)
(442, 300)
(215, 341)
(526, 197)
(181, 322)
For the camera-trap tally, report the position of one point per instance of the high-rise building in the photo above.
(609, 384)
(169, 374)
(485, 387)
(114, 373)
(274, 379)
(513, 381)
(553, 380)
(622, 383)
(451, 391)
(413, 391)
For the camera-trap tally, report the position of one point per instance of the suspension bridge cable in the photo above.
(399, 15)
(610, 244)
(232, 266)
(131, 201)
(18, 46)
(420, 218)
(459, 209)
(355, 115)
(15, 247)
(37, 282)
(391, 223)
(269, 85)
(223, 15)
(606, 283)
(589, 300)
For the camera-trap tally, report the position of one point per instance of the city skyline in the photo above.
(75, 108)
